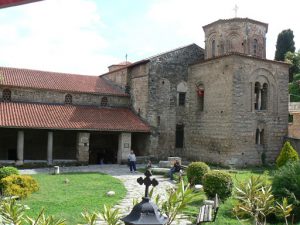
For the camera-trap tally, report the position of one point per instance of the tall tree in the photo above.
(285, 43)
(294, 89)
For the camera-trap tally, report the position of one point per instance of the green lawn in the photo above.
(84, 191)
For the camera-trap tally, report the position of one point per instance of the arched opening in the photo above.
(257, 96)
(68, 99)
(6, 95)
(255, 47)
(213, 48)
(264, 97)
(200, 95)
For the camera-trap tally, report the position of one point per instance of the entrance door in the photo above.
(103, 148)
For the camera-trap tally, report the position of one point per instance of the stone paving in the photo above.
(134, 190)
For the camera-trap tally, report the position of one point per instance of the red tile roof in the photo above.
(57, 81)
(8, 3)
(45, 116)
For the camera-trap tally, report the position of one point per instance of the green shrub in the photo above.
(7, 171)
(196, 171)
(286, 183)
(287, 153)
(217, 182)
(19, 185)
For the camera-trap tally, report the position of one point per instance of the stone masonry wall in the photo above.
(120, 77)
(139, 78)
(225, 132)
(55, 97)
(208, 137)
(166, 71)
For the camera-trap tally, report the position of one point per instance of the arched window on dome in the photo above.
(68, 99)
(6, 95)
(213, 48)
(255, 43)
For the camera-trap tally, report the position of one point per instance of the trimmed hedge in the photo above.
(7, 171)
(19, 185)
(286, 183)
(287, 153)
(196, 171)
(217, 182)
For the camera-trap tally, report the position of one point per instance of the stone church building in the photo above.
(223, 104)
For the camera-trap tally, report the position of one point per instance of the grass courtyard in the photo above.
(67, 195)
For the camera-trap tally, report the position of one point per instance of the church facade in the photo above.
(223, 104)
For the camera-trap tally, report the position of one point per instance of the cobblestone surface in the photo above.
(134, 190)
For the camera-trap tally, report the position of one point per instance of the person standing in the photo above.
(132, 161)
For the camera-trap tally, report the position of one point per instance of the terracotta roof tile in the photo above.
(9, 3)
(45, 116)
(57, 81)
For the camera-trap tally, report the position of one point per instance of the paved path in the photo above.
(134, 190)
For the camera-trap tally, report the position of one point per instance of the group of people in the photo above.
(132, 165)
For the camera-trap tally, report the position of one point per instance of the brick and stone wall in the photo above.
(294, 127)
(55, 97)
(225, 131)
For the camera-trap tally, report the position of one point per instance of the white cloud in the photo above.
(55, 35)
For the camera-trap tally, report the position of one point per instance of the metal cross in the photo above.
(147, 182)
(235, 9)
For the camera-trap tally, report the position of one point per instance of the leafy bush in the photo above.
(196, 171)
(287, 153)
(217, 182)
(19, 185)
(286, 183)
(7, 171)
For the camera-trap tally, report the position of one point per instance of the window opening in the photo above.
(6, 95)
(181, 101)
(104, 101)
(179, 136)
(264, 97)
(68, 99)
(213, 48)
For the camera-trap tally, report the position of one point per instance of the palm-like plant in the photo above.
(111, 216)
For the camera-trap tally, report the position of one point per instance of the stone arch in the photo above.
(235, 43)
(212, 45)
(182, 87)
(265, 97)
(181, 93)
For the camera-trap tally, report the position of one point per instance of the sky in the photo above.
(86, 36)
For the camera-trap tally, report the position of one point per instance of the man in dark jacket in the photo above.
(175, 169)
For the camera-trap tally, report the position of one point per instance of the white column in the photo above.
(124, 147)
(50, 148)
(20, 148)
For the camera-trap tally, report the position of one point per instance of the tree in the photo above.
(294, 72)
(285, 43)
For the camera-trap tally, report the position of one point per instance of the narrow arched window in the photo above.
(257, 137)
(200, 94)
(255, 47)
(68, 99)
(104, 101)
(257, 96)
(264, 97)
(6, 95)
(213, 48)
